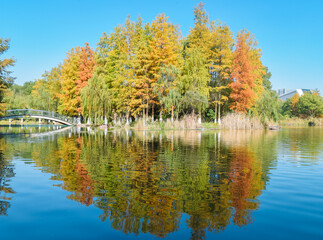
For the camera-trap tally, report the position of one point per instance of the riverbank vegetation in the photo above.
(147, 72)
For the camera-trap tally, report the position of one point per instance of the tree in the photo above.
(45, 91)
(86, 67)
(96, 98)
(220, 62)
(195, 80)
(5, 79)
(164, 51)
(294, 104)
(69, 103)
(20, 97)
(266, 79)
(199, 36)
(167, 90)
(310, 105)
(268, 106)
(243, 75)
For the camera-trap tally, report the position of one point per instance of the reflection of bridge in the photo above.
(40, 114)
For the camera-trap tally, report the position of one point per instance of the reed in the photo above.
(241, 121)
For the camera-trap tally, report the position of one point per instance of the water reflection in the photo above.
(145, 181)
(6, 173)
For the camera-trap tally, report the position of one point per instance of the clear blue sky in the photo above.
(289, 32)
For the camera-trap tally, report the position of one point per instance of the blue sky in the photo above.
(288, 32)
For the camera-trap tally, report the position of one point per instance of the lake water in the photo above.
(94, 184)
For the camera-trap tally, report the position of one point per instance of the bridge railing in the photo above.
(34, 112)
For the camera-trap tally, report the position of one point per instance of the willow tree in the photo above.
(5, 79)
(167, 90)
(96, 98)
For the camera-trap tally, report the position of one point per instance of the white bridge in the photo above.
(40, 114)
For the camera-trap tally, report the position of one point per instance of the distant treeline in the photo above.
(143, 70)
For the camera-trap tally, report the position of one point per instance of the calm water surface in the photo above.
(85, 184)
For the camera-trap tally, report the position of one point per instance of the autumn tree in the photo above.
(164, 51)
(220, 63)
(86, 67)
(199, 35)
(69, 102)
(45, 93)
(243, 75)
(5, 79)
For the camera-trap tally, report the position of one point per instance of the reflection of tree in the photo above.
(74, 173)
(144, 182)
(304, 144)
(6, 172)
(245, 184)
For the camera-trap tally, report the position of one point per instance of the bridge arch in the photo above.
(40, 114)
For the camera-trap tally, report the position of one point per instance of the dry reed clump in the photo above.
(187, 122)
(240, 121)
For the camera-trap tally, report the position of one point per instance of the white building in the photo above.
(285, 94)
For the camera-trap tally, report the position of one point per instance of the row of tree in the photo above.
(307, 105)
(143, 70)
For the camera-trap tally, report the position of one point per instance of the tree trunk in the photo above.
(152, 112)
(215, 112)
(200, 117)
(219, 121)
(143, 116)
(127, 118)
(172, 114)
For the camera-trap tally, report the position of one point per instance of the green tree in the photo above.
(310, 105)
(268, 106)
(195, 80)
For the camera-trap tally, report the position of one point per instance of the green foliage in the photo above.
(266, 79)
(19, 97)
(195, 80)
(268, 106)
(310, 105)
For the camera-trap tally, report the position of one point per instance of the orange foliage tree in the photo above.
(86, 68)
(243, 75)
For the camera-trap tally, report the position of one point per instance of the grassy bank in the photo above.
(301, 121)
